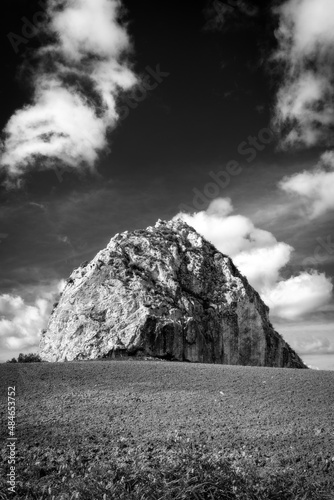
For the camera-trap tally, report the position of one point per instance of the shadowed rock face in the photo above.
(163, 292)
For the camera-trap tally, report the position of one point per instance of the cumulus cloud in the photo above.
(299, 295)
(305, 100)
(22, 322)
(262, 265)
(256, 252)
(314, 187)
(78, 79)
(260, 257)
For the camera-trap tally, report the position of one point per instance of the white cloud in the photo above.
(311, 23)
(262, 265)
(256, 252)
(304, 107)
(260, 257)
(311, 339)
(299, 295)
(21, 323)
(315, 187)
(74, 100)
(89, 27)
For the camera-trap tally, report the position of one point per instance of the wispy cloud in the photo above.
(219, 13)
(260, 257)
(315, 187)
(79, 76)
(315, 346)
(313, 340)
(304, 111)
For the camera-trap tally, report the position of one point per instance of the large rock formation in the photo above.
(164, 292)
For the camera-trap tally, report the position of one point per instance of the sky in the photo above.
(117, 114)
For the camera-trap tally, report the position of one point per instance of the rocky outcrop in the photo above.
(164, 292)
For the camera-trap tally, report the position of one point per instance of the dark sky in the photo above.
(217, 90)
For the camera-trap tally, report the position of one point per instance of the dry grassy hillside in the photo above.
(160, 430)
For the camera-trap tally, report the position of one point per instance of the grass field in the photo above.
(163, 430)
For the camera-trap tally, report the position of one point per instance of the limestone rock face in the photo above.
(164, 292)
